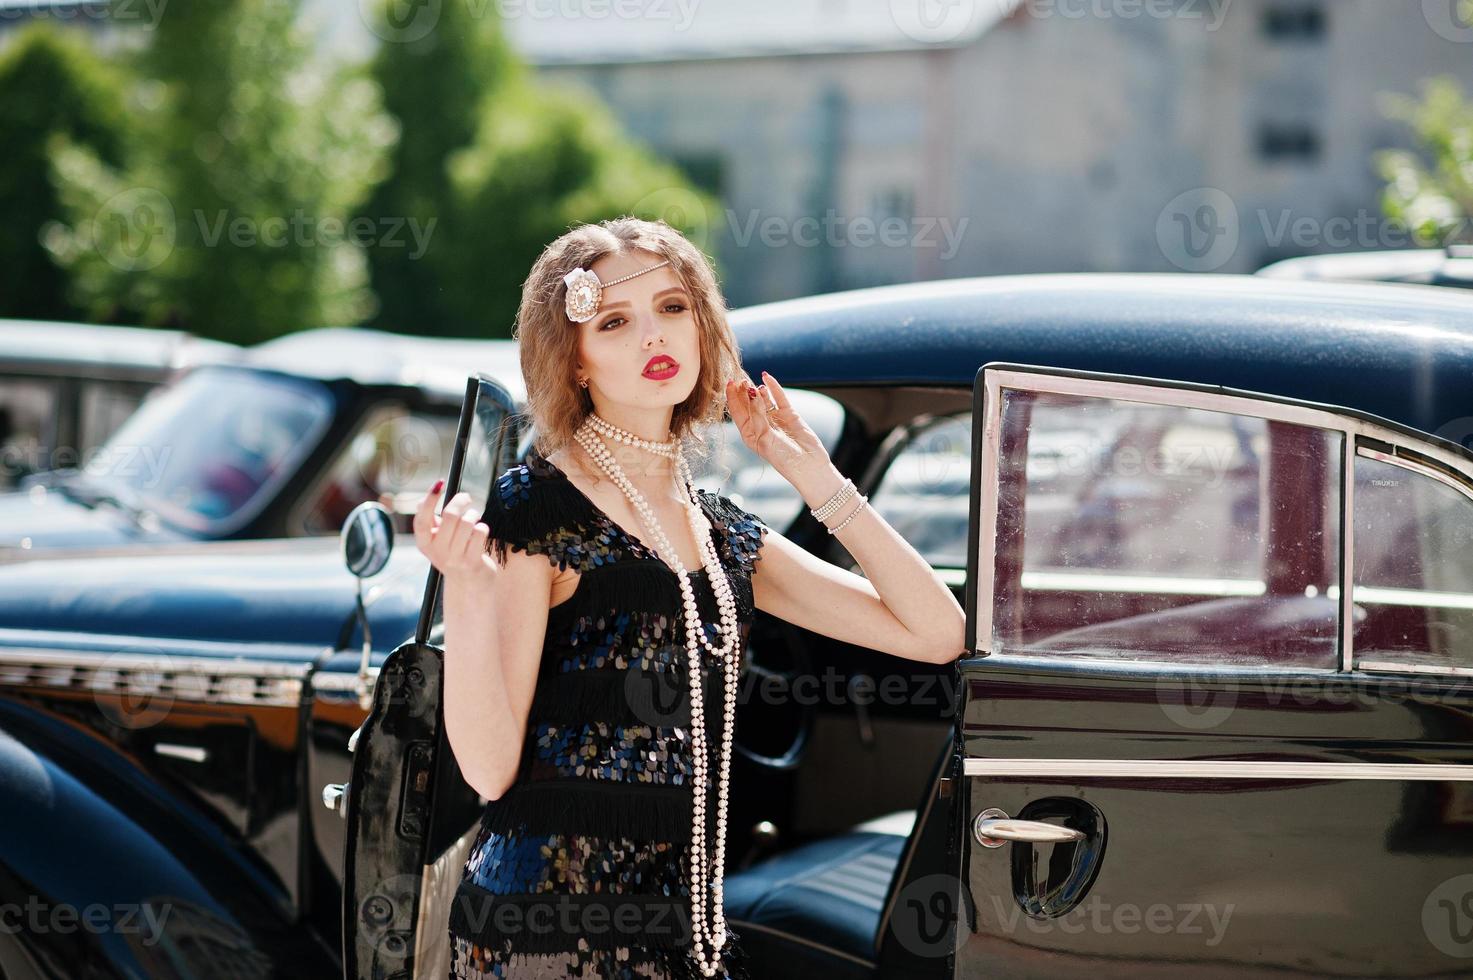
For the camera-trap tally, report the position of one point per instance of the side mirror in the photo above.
(368, 538)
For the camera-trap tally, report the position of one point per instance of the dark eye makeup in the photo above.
(607, 324)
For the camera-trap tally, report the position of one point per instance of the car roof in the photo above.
(1402, 352)
(439, 366)
(1452, 266)
(58, 347)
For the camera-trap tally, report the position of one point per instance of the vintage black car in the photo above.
(1214, 537)
(1451, 265)
(66, 387)
(283, 441)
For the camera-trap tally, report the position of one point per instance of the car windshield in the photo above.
(212, 446)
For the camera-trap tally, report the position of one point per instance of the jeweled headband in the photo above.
(585, 291)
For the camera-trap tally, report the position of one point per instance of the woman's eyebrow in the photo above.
(666, 291)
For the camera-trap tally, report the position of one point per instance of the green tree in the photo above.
(434, 83)
(494, 164)
(1432, 197)
(52, 84)
(232, 217)
(546, 158)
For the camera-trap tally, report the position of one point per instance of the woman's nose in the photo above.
(651, 332)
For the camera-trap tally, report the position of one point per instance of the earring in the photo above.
(583, 383)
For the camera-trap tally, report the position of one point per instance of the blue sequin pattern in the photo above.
(600, 808)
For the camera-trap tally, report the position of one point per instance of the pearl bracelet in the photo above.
(828, 507)
(862, 501)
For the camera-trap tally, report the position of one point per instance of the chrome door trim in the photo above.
(1153, 392)
(1215, 769)
(1411, 464)
(987, 515)
(186, 678)
(1390, 667)
(1347, 552)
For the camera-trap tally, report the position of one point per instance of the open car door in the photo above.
(411, 818)
(1215, 711)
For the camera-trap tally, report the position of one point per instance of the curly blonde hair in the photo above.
(548, 340)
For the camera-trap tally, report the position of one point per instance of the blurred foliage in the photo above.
(496, 164)
(545, 159)
(1432, 197)
(224, 180)
(230, 218)
(52, 83)
(434, 86)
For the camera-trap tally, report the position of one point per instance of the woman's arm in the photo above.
(902, 607)
(495, 619)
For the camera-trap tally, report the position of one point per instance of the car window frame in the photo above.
(1453, 463)
(373, 414)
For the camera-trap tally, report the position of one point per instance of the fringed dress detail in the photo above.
(580, 869)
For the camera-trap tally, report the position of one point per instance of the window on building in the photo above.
(1288, 142)
(1294, 22)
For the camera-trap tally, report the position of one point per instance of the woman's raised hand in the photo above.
(455, 539)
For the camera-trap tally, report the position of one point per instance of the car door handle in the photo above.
(993, 828)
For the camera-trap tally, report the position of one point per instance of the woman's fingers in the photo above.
(779, 396)
(425, 519)
(454, 526)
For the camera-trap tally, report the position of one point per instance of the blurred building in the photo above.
(862, 142)
(1051, 135)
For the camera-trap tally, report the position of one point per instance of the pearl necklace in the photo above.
(695, 638)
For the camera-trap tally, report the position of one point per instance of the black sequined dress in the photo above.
(580, 869)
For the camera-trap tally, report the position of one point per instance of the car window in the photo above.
(393, 458)
(732, 469)
(1413, 548)
(214, 445)
(29, 411)
(923, 493)
(1156, 532)
(106, 405)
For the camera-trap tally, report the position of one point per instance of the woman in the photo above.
(578, 610)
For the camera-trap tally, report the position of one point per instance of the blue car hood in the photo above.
(44, 519)
(288, 592)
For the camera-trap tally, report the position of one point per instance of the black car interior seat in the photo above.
(815, 911)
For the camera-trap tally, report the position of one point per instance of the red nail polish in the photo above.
(437, 486)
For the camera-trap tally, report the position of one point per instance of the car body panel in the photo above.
(1296, 819)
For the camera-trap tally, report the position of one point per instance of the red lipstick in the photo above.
(661, 367)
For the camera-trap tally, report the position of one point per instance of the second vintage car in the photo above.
(284, 441)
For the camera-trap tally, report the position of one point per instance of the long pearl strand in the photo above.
(695, 638)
